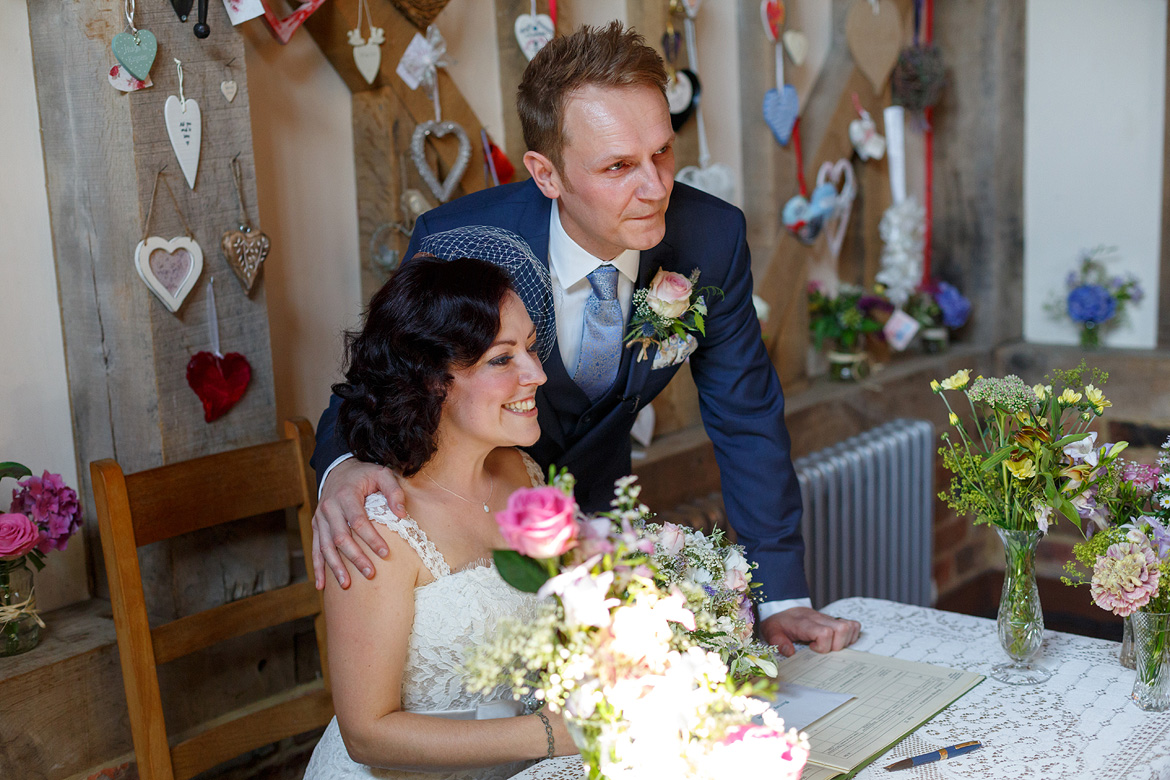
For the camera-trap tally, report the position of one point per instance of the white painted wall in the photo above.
(1093, 136)
(35, 424)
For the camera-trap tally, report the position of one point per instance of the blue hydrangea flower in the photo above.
(955, 308)
(1091, 303)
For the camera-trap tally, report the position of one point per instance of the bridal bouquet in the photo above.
(631, 641)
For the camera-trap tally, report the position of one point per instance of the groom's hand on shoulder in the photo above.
(341, 513)
(803, 624)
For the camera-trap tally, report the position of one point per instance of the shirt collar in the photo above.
(572, 263)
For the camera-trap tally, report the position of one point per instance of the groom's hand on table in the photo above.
(804, 624)
(341, 513)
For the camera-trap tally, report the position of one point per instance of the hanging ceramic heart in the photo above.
(283, 27)
(418, 155)
(169, 268)
(781, 107)
(533, 31)
(772, 15)
(121, 79)
(368, 55)
(682, 96)
(796, 45)
(245, 249)
(717, 179)
(218, 380)
(136, 51)
(185, 128)
(840, 175)
(874, 39)
(229, 89)
(863, 134)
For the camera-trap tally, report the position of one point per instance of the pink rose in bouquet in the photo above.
(539, 522)
(18, 535)
(52, 505)
(747, 748)
(669, 294)
(671, 539)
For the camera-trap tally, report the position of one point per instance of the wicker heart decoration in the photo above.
(169, 268)
(245, 249)
(418, 155)
(839, 174)
(283, 27)
(218, 380)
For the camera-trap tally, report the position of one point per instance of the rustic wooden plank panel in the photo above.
(512, 64)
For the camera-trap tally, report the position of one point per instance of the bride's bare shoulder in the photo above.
(515, 468)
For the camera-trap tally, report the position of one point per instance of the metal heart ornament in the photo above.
(717, 180)
(533, 31)
(136, 52)
(772, 15)
(863, 134)
(245, 249)
(682, 96)
(781, 107)
(873, 29)
(185, 128)
(169, 268)
(283, 27)
(418, 155)
(840, 175)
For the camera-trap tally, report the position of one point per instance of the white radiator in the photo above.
(868, 509)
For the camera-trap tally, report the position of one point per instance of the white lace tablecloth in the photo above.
(1079, 724)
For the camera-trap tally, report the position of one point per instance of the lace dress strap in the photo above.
(535, 472)
(379, 511)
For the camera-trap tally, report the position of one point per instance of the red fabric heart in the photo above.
(218, 381)
(282, 28)
(504, 169)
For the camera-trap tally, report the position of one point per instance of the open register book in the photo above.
(891, 698)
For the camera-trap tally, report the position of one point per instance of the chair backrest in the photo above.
(150, 506)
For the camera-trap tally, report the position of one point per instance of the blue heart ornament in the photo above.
(781, 107)
(823, 201)
(136, 54)
(800, 218)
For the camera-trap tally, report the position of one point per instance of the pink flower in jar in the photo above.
(18, 535)
(669, 294)
(52, 505)
(539, 522)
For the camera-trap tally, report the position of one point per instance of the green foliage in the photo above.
(842, 320)
(14, 470)
(520, 571)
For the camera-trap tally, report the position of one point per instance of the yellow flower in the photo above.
(1043, 392)
(1097, 399)
(958, 380)
(1022, 469)
(1078, 474)
(954, 418)
(1028, 436)
(935, 386)
(1070, 397)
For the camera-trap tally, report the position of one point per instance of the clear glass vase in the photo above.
(1127, 656)
(20, 626)
(1151, 639)
(1020, 623)
(595, 741)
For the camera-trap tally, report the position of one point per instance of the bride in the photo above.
(440, 387)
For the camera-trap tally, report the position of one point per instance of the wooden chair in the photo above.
(137, 509)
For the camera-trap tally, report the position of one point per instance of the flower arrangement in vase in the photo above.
(43, 515)
(642, 641)
(1024, 456)
(843, 320)
(1127, 567)
(939, 308)
(1095, 300)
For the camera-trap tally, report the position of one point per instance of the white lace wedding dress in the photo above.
(456, 611)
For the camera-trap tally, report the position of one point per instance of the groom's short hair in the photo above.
(610, 56)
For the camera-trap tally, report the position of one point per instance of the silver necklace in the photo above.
(486, 509)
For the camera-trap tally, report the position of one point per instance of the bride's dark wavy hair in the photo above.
(433, 316)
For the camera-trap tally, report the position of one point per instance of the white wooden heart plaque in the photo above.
(169, 268)
(796, 44)
(368, 57)
(533, 32)
(185, 127)
(229, 89)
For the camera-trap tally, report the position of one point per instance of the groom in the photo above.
(603, 208)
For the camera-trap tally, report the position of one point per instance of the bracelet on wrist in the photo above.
(548, 731)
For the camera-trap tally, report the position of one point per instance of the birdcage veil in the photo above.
(503, 248)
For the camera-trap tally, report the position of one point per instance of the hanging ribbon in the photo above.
(420, 63)
(799, 158)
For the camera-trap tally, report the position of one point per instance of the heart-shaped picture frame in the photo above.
(283, 27)
(418, 155)
(169, 268)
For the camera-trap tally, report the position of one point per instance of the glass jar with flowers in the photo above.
(939, 308)
(1095, 300)
(1024, 455)
(43, 515)
(839, 324)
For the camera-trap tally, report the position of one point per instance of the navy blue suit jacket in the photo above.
(739, 393)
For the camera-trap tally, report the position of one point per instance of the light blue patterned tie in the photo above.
(601, 338)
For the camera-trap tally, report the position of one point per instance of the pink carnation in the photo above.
(1125, 578)
(18, 535)
(1143, 477)
(52, 505)
(539, 522)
